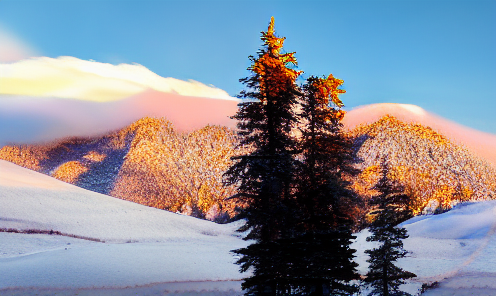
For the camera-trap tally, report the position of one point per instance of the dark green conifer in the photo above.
(391, 209)
(298, 209)
(265, 175)
(325, 264)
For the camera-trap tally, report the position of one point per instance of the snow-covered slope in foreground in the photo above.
(141, 245)
(148, 251)
(456, 249)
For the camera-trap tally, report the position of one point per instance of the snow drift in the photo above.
(140, 245)
(150, 251)
(456, 249)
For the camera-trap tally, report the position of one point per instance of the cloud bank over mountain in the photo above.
(42, 99)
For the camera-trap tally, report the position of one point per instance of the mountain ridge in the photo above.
(151, 163)
(481, 143)
(148, 162)
(434, 171)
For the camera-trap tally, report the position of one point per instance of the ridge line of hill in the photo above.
(150, 163)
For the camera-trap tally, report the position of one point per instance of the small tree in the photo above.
(391, 209)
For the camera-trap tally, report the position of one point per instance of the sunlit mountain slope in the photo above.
(435, 172)
(481, 143)
(151, 163)
(147, 162)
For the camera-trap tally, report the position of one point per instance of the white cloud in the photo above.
(72, 78)
(12, 48)
(414, 109)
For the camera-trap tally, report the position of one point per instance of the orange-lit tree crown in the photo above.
(272, 67)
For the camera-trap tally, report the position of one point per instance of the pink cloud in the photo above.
(34, 119)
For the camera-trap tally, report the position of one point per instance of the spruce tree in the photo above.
(391, 209)
(324, 260)
(265, 175)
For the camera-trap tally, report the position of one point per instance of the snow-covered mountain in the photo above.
(152, 163)
(435, 172)
(480, 143)
(149, 162)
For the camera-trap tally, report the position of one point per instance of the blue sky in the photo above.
(439, 55)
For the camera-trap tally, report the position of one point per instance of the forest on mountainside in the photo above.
(147, 162)
(150, 163)
(435, 172)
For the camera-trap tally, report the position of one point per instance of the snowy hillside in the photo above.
(151, 163)
(435, 172)
(139, 245)
(148, 251)
(456, 249)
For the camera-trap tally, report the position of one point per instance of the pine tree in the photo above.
(391, 209)
(324, 264)
(265, 175)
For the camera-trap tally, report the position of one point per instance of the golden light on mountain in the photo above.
(70, 171)
(151, 163)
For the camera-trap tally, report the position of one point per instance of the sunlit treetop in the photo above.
(273, 42)
(325, 91)
(328, 89)
(273, 68)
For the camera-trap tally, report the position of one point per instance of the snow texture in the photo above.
(147, 251)
(140, 247)
(456, 249)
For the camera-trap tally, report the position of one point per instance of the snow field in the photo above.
(152, 252)
(456, 248)
(94, 265)
(141, 245)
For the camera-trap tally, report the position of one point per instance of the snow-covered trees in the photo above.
(391, 209)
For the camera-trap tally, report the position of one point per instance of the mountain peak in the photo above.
(427, 164)
(480, 143)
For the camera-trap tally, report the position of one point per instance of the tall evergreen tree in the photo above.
(325, 265)
(264, 176)
(391, 209)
